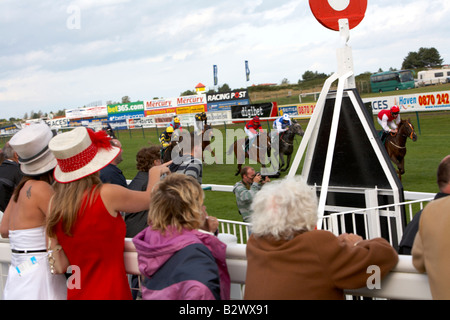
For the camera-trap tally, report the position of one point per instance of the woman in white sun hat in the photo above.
(84, 214)
(23, 223)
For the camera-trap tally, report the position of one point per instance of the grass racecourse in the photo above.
(421, 161)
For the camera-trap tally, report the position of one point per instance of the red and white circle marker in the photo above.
(328, 12)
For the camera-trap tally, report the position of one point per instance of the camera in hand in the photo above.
(263, 176)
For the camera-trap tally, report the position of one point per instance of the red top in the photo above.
(386, 112)
(253, 125)
(96, 247)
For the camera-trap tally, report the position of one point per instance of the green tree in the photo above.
(224, 88)
(187, 93)
(310, 75)
(423, 58)
(412, 61)
(430, 57)
(60, 113)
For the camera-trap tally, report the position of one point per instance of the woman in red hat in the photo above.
(85, 215)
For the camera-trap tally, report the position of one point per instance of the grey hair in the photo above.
(8, 151)
(283, 208)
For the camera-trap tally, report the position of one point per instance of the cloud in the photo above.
(147, 49)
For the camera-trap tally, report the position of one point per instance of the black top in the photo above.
(112, 174)
(411, 229)
(10, 176)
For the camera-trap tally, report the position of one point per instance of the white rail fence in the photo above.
(344, 219)
(403, 282)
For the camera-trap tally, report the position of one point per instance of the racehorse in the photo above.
(286, 143)
(174, 146)
(395, 145)
(261, 146)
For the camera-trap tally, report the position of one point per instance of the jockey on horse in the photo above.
(175, 124)
(251, 129)
(282, 123)
(165, 139)
(389, 120)
(200, 122)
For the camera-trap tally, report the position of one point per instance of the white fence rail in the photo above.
(338, 220)
(403, 282)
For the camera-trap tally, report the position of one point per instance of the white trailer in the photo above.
(434, 76)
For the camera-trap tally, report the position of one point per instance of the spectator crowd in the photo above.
(66, 205)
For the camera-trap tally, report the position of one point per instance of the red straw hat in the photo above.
(81, 152)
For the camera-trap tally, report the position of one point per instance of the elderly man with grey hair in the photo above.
(289, 259)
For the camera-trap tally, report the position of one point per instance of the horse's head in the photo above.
(297, 128)
(409, 129)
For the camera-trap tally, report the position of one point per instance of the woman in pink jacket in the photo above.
(179, 260)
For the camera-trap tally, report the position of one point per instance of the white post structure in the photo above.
(346, 80)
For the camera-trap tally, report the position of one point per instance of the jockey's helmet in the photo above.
(286, 118)
(256, 119)
(395, 110)
(169, 129)
(176, 120)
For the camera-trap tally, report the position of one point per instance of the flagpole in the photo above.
(215, 76)
(247, 76)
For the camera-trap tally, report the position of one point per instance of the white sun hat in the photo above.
(81, 152)
(31, 145)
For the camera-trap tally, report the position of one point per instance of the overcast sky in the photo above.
(61, 54)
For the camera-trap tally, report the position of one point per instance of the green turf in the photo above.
(421, 161)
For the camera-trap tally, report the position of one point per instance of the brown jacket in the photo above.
(431, 248)
(313, 265)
